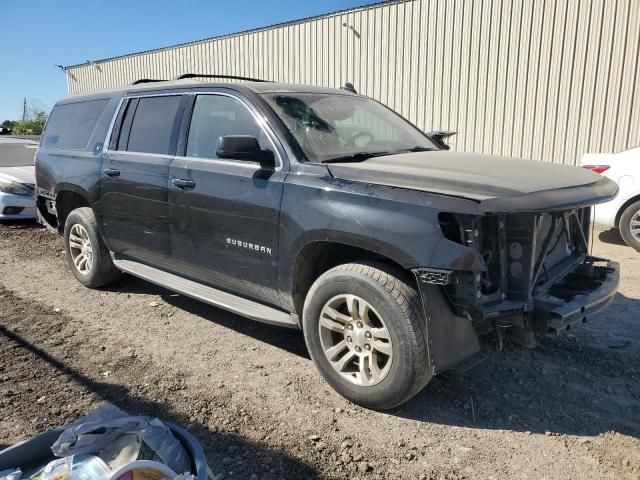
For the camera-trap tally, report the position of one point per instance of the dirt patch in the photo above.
(569, 409)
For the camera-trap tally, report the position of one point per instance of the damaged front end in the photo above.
(538, 279)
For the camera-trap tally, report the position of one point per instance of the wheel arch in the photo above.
(624, 206)
(68, 199)
(320, 255)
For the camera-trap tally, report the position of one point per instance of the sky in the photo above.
(36, 35)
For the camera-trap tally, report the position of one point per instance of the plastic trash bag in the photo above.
(76, 468)
(101, 431)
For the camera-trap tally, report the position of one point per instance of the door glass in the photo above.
(153, 124)
(215, 116)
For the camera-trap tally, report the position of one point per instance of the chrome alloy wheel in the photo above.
(80, 248)
(355, 340)
(634, 226)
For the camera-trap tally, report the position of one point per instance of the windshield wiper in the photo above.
(355, 157)
(416, 149)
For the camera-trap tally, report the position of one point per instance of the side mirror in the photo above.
(439, 136)
(244, 147)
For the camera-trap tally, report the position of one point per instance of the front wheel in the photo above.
(364, 331)
(630, 225)
(87, 255)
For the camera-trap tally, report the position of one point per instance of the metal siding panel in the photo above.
(603, 75)
(549, 79)
(629, 116)
(438, 63)
(556, 148)
(572, 129)
(483, 73)
(455, 104)
(550, 73)
(501, 69)
(613, 92)
(491, 90)
(461, 138)
(507, 77)
(522, 79)
(430, 51)
(584, 142)
(466, 142)
(533, 79)
(447, 58)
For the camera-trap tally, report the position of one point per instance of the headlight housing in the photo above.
(15, 188)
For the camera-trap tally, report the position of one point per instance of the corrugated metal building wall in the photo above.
(543, 79)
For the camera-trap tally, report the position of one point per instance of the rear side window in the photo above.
(70, 125)
(152, 120)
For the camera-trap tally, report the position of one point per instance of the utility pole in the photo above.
(24, 109)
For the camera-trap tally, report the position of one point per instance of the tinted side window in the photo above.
(215, 116)
(152, 124)
(127, 119)
(70, 125)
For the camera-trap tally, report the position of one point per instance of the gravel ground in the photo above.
(249, 392)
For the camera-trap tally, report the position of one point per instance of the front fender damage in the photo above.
(450, 339)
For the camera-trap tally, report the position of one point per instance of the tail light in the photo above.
(597, 168)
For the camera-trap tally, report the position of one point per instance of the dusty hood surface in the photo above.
(498, 184)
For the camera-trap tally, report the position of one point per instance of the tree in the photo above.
(8, 124)
(34, 122)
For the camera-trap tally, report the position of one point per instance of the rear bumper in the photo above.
(599, 290)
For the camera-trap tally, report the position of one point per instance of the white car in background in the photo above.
(623, 212)
(17, 193)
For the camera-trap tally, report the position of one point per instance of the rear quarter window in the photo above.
(70, 125)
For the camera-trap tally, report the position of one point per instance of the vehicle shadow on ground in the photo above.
(287, 339)
(611, 236)
(215, 443)
(567, 385)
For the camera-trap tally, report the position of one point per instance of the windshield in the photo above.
(335, 127)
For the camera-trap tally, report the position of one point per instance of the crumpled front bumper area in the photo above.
(587, 287)
(578, 296)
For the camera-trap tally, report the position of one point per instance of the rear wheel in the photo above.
(87, 255)
(630, 225)
(364, 330)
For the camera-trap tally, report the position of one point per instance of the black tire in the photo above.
(101, 272)
(632, 212)
(398, 302)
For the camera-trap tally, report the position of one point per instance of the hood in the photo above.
(19, 174)
(498, 184)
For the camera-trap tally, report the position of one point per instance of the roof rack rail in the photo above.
(209, 75)
(147, 80)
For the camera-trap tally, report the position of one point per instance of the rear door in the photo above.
(135, 174)
(224, 223)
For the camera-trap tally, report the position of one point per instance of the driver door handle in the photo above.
(184, 184)
(112, 172)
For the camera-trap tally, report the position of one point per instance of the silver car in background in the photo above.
(17, 193)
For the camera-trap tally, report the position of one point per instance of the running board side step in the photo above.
(217, 298)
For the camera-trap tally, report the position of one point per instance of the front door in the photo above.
(134, 191)
(225, 213)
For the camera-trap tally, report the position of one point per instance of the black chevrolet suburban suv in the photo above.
(323, 210)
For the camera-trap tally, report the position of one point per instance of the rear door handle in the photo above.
(112, 172)
(184, 184)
